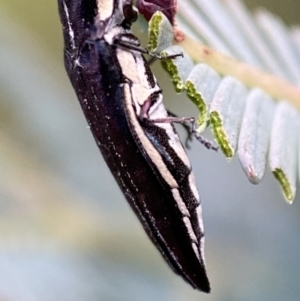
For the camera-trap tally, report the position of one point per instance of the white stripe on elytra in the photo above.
(180, 203)
(201, 226)
(71, 31)
(132, 71)
(189, 227)
(159, 112)
(200, 219)
(162, 168)
(111, 34)
(198, 246)
(192, 184)
(136, 95)
(141, 90)
(147, 145)
(105, 9)
(133, 68)
(196, 250)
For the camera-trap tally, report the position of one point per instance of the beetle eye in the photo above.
(130, 13)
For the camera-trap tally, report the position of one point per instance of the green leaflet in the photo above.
(285, 184)
(172, 69)
(197, 99)
(283, 154)
(220, 135)
(153, 31)
(160, 33)
(201, 86)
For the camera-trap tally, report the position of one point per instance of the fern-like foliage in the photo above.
(242, 72)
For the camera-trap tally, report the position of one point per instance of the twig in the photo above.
(248, 75)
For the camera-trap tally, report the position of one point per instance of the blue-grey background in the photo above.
(66, 232)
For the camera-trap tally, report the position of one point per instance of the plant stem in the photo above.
(250, 76)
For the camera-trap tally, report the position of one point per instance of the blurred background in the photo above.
(66, 231)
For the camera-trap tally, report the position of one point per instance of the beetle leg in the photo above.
(187, 128)
(132, 46)
(192, 122)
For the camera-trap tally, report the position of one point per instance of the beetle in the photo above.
(122, 103)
